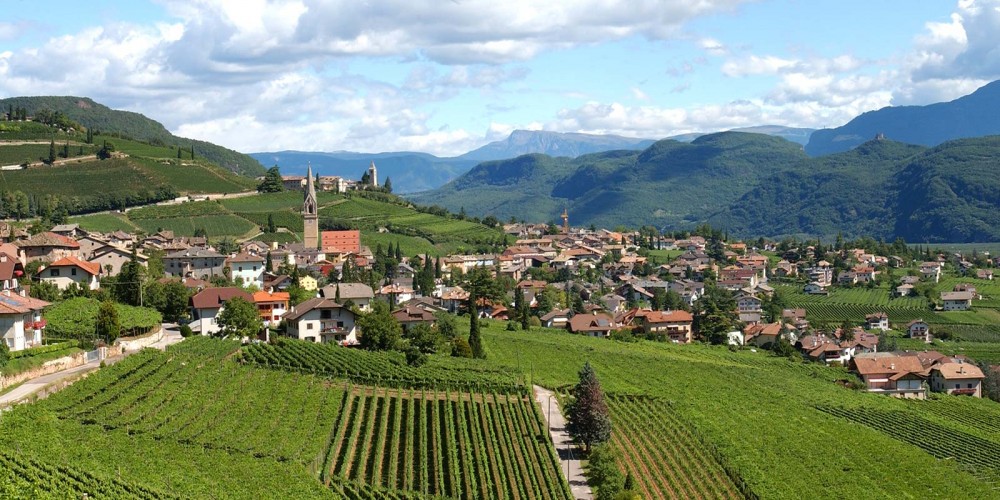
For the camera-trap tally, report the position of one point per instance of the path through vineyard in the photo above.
(568, 453)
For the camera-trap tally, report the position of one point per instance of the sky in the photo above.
(447, 76)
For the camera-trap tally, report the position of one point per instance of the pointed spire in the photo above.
(309, 204)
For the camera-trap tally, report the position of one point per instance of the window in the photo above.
(53, 272)
(73, 271)
(958, 386)
(324, 314)
(970, 386)
(309, 325)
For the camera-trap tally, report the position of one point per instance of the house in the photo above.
(957, 301)
(931, 271)
(919, 329)
(904, 290)
(877, 321)
(959, 378)
(984, 274)
(761, 334)
(359, 294)
(21, 320)
(411, 316)
(815, 288)
(111, 258)
(68, 270)
(749, 308)
(11, 271)
(395, 293)
(68, 230)
(246, 269)
(556, 318)
(666, 325)
(891, 374)
(47, 247)
(271, 305)
(322, 320)
(593, 325)
(196, 262)
(208, 303)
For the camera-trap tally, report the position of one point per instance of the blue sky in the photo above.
(446, 77)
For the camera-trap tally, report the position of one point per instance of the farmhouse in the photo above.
(322, 320)
(359, 294)
(411, 316)
(892, 374)
(919, 329)
(195, 262)
(47, 247)
(957, 301)
(957, 377)
(271, 305)
(246, 269)
(877, 321)
(666, 325)
(111, 258)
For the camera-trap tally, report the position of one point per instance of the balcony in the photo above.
(964, 392)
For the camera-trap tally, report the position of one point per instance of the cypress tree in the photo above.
(52, 152)
(475, 337)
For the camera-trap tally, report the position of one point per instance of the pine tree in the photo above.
(388, 185)
(52, 152)
(178, 152)
(589, 420)
(268, 263)
(475, 336)
(192, 151)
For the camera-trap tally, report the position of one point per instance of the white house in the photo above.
(21, 320)
(247, 269)
(749, 308)
(814, 288)
(877, 321)
(208, 303)
(957, 301)
(68, 270)
(919, 329)
(358, 293)
(322, 320)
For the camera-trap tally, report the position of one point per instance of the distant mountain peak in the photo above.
(973, 115)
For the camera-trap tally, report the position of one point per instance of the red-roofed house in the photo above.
(594, 325)
(68, 270)
(410, 316)
(892, 374)
(11, 271)
(667, 325)
(47, 247)
(272, 306)
(957, 378)
(208, 303)
(21, 322)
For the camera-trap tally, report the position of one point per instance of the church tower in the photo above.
(310, 217)
(565, 219)
(373, 175)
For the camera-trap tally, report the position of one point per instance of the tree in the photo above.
(475, 336)
(45, 290)
(52, 152)
(178, 152)
(422, 337)
(4, 354)
(716, 315)
(272, 181)
(128, 289)
(991, 384)
(379, 330)
(239, 318)
(108, 326)
(271, 228)
(105, 152)
(589, 420)
(460, 348)
(886, 343)
(603, 474)
(388, 185)
(445, 325)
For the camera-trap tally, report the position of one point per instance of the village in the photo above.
(592, 282)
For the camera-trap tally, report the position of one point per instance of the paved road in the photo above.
(170, 336)
(568, 452)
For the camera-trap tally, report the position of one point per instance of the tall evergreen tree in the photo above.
(52, 152)
(388, 185)
(475, 336)
(589, 419)
(129, 287)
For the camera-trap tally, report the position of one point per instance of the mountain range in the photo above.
(751, 185)
(413, 172)
(96, 116)
(973, 115)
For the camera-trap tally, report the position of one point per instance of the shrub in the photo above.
(186, 331)
(460, 348)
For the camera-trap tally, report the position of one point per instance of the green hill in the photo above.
(670, 184)
(108, 122)
(751, 185)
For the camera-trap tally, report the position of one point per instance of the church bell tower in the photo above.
(310, 217)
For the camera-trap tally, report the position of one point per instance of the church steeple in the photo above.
(373, 175)
(310, 217)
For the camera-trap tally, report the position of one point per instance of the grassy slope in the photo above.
(759, 411)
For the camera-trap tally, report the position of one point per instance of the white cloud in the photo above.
(639, 94)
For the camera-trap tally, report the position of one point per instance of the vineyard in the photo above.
(462, 445)
(980, 456)
(666, 455)
(76, 319)
(26, 477)
(383, 369)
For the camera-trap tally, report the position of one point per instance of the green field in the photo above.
(214, 225)
(103, 223)
(30, 153)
